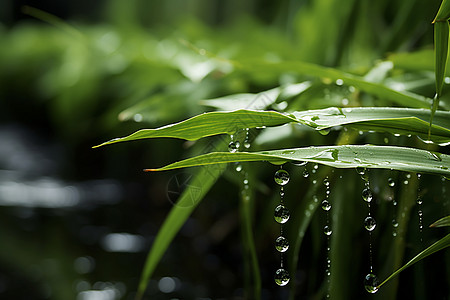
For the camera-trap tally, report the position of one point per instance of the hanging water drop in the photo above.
(305, 173)
(233, 146)
(281, 214)
(367, 195)
(326, 182)
(281, 244)
(299, 163)
(371, 283)
(281, 177)
(391, 182)
(282, 277)
(238, 167)
(327, 230)
(394, 223)
(326, 206)
(324, 131)
(370, 223)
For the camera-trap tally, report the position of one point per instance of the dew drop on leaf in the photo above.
(233, 146)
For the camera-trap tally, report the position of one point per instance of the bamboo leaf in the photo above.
(441, 32)
(200, 184)
(209, 124)
(350, 156)
(383, 119)
(443, 12)
(439, 245)
(445, 221)
(403, 98)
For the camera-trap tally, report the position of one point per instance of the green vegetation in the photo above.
(343, 84)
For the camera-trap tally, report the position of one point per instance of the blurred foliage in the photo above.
(151, 63)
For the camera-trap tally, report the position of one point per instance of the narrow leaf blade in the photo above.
(445, 221)
(349, 156)
(439, 245)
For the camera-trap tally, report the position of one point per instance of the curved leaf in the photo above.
(445, 221)
(439, 245)
(403, 98)
(350, 156)
(384, 119)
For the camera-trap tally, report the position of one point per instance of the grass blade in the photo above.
(443, 12)
(445, 221)
(439, 245)
(350, 156)
(200, 184)
(441, 32)
(209, 124)
(384, 119)
(402, 98)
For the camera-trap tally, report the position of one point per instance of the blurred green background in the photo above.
(76, 222)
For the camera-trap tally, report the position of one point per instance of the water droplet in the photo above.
(367, 195)
(327, 230)
(395, 223)
(281, 214)
(233, 146)
(326, 206)
(305, 173)
(406, 182)
(245, 181)
(324, 131)
(299, 163)
(238, 167)
(391, 182)
(281, 244)
(282, 277)
(361, 170)
(316, 166)
(247, 145)
(314, 181)
(370, 223)
(339, 82)
(281, 177)
(371, 283)
(326, 182)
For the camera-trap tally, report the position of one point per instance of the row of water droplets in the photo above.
(281, 216)
(371, 280)
(326, 206)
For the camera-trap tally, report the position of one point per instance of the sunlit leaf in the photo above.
(349, 156)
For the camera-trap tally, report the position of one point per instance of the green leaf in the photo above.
(350, 156)
(439, 245)
(196, 190)
(445, 221)
(403, 98)
(209, 124)
(441, 32)
(443, 12)
(384, 119)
